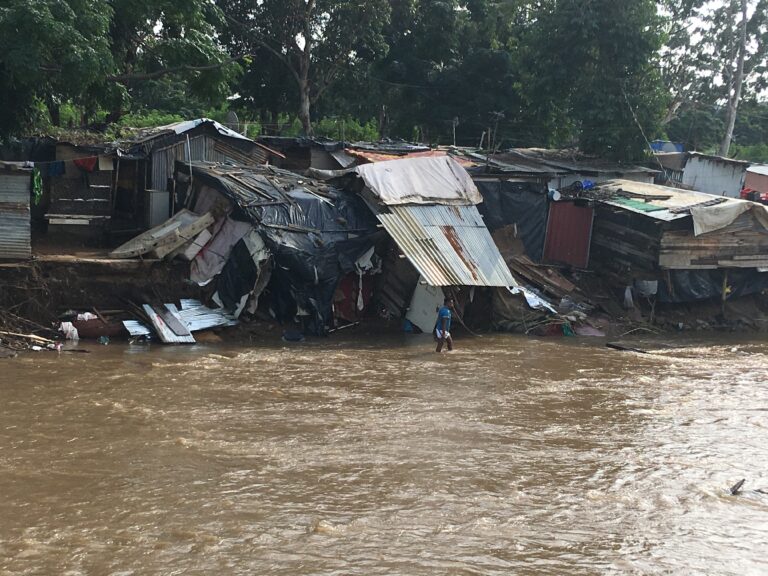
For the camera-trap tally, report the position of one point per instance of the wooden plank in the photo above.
(165, 238)
(165, 333)
(176, 325)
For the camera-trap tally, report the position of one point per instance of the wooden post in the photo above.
(724, 291)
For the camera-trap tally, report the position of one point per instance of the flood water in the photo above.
(365, 456)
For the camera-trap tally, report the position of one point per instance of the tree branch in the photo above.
(121, 78)
(328, 78)
(264, 44)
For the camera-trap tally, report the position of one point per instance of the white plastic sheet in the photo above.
(431, 180)
(534, 300)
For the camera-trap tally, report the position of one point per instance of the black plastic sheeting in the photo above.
(286, 142)
(522, 203)
(311, 264)
(315, 236)
(696, 285)
(238, 277)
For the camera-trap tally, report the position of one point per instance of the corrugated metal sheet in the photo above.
(448, 245)
(15, 232)
(569, 234)
(203, 149)
(164, 159)
(136, 328)
(197, 316)
(759, 169)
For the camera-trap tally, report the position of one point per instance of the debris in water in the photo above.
(736, 488)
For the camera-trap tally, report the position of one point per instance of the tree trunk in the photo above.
(671, 113)
(305, 62)
(115, 116)
(734, 95)
(55, 111)
(304, 107)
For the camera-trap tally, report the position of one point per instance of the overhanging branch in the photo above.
(138, 76)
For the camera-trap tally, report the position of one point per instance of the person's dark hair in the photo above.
(447, 299)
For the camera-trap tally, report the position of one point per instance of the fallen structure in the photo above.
(278, 232)
(428, 207)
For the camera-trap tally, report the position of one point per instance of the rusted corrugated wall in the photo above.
(15, 235)
(569, 233)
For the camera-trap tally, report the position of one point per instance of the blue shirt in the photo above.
(444, 312)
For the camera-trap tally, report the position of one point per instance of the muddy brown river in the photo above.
(365, 456)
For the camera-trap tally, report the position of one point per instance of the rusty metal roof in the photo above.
(448, 245)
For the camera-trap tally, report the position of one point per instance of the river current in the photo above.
(371, 456)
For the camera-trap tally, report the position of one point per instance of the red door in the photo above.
(569, 233)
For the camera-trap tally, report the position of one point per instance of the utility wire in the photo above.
(640, 127)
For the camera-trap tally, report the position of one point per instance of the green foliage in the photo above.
(595, 64)
(755, 153)
(96, 55)
(700, 62)
(534, 72)
(313, 42)
(52, 51)
(149, 119)
(697, 128)
(348, 129)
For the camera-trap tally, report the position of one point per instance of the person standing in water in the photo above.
(443, 325)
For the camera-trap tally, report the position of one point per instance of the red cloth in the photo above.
(345, 299)
(87, 164)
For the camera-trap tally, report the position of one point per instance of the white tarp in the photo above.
(187, 125)
(431, 180)
(711, 218)
(212, 258)
(534, 300)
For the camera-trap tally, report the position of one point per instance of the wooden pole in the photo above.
(724, 291)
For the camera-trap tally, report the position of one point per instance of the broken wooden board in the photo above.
(546, 278)
(164, 331)
(164, 239)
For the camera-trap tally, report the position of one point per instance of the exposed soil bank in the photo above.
(34, 295)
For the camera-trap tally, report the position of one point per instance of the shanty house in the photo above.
(428, 207)
(570, 166)
(299, 154)
(278, 237)
(127, 186)
(756, 184)
(689, 242)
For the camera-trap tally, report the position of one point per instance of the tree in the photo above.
(592, 64)
(51, 52)
(734, 75)
(715, 54)
(315, 40)
(96, 53)
(176, 39)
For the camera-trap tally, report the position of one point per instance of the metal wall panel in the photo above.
(164, 160)
(203, 148)
(714, 177)
(569, 234)
(15, 229)
(448, 245)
